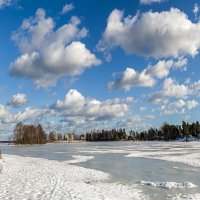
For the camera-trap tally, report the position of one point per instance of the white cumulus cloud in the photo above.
(29, 114)
(67, 8)
(130, 78)
(147, 78)
(76, 105)
(171, 89)
(5, 114)
(136, 122)
(49, 54)
(196, 10)
(178, 107)
(152, 34)
(18, 100)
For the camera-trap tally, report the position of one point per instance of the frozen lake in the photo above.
(123, 170)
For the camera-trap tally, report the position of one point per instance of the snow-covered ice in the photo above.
(37, 178)
(169, 185)
(185, 197)
(189, 154)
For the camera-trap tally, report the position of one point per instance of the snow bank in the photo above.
(192, 159)
(79, 159)
(37, 178)
(170, 185)
(190, 139)
(185, 197)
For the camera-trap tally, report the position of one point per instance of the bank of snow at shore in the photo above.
(36, 178)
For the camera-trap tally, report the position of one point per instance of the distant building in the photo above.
(82, 137)
(69, 137)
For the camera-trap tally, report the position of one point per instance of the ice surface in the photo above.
(38, 178)
(186, 153)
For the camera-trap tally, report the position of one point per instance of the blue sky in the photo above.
(82, 65)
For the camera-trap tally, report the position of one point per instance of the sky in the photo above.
(87, 65)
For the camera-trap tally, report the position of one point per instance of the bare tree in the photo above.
(52, 137)
(29, 134)
(59, 136)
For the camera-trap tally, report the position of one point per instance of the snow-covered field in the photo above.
(27, 177)
(36, 178)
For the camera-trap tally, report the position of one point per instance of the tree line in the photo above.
(34, 134)
(106, 135)
(166, 132)
(29, 134)
(55, 137)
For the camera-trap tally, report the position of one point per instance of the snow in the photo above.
(169, 185)
(79, 159)
(192, 159)
(190, 139)
(38, 178)
(185, 197)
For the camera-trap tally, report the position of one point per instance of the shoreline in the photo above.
(83, 141)
(65, 141)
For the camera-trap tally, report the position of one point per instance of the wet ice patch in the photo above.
(106, 151)
(169, 185)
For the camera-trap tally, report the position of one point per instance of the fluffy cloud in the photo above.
(67, 8)
(73, 112)
(162, 68)
(171, 89)
(49, 54)
(32, 114)
(4, 3)
(152, 34)
(196, 86)
(135, 122)
(150, 1)
(76, 106)
(18, 100)
(6, 130)
(179, 106)
(5, 114)
(73, 97)
(130, 78)
(29, 114)
(196, 11)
